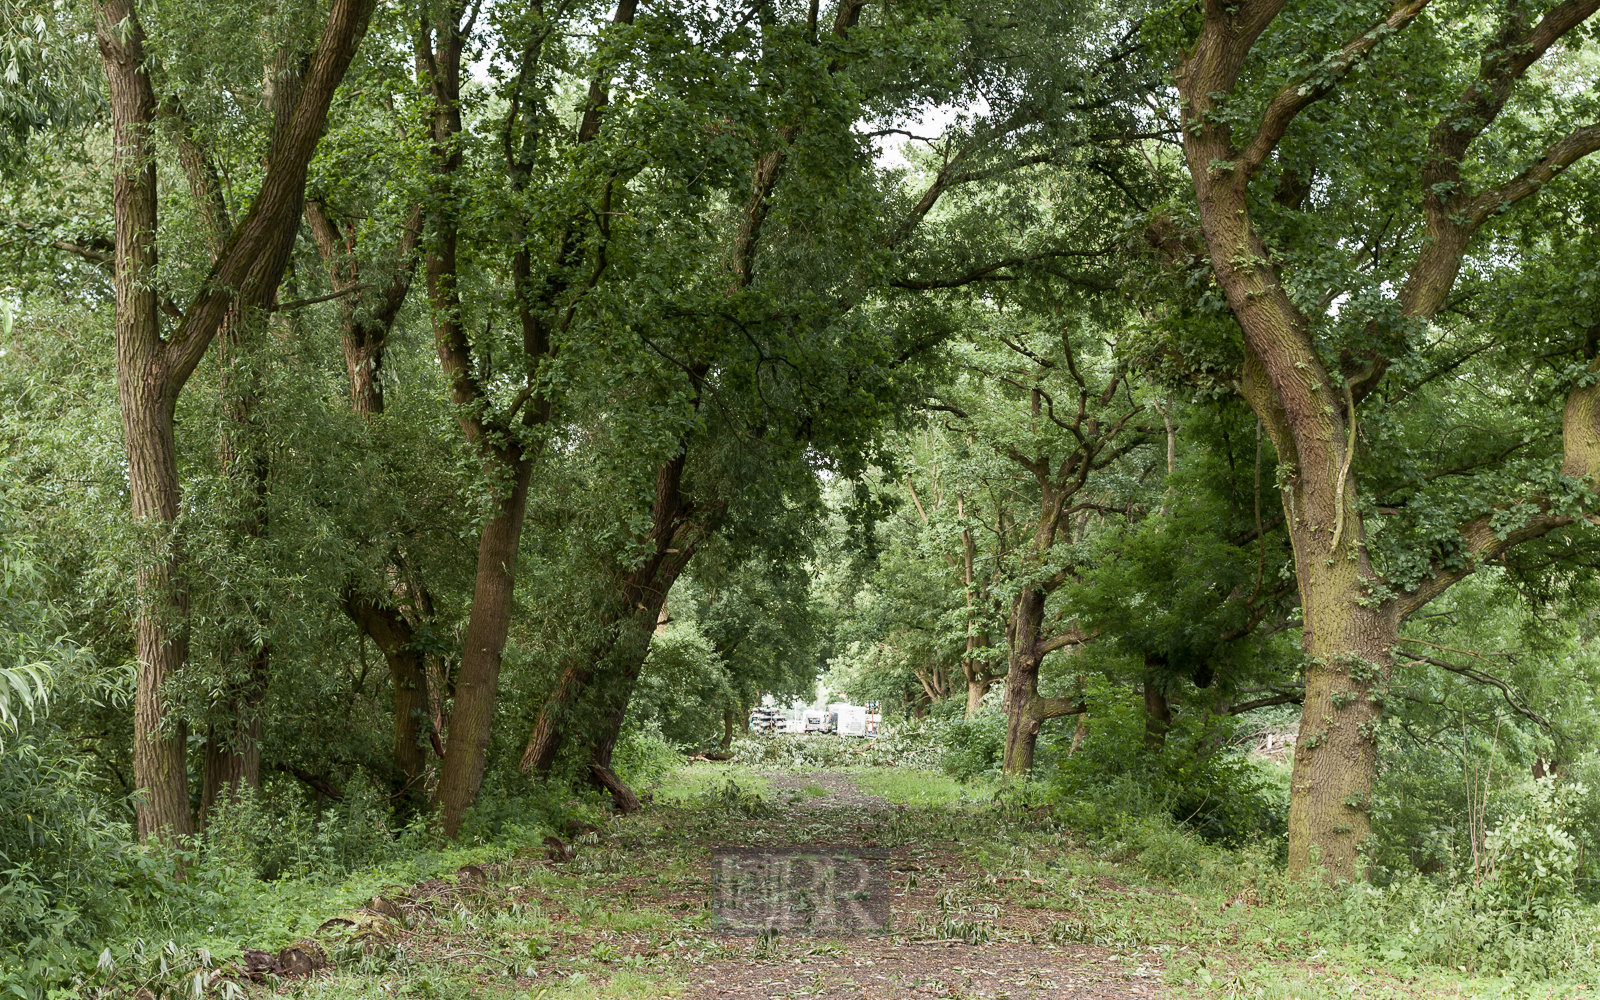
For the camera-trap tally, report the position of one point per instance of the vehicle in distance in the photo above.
(819, 721)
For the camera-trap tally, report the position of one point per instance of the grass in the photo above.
(697, 780)
(928, 789)
(630, 916)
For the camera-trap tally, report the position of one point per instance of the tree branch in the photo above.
(1287, 698)
(1043, 708)
(985, 272)
(1077, 637)
(1314, 84)
(1479, 543)
(341, 293)
(1572, 148)
(1482, 678)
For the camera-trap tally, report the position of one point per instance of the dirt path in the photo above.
(815, 888)
(848, 905)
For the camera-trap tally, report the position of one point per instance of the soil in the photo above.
(846, 918)
(818, 889)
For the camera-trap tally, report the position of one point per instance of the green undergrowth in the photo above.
(632, 913)
(694, 783)
(923, 788)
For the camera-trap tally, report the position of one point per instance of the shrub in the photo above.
(1532, 857)
(60, 860)
(972, 748)
(908, 744)
(274, 833)
(644, 757)
(1196, 780)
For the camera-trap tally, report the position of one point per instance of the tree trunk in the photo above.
(1026, 708)
(1346, 638)
(1157, 712)
(978, 672)
(1347, 644)
(394, 636)
(638, 600)
(978, 685)
(145, 388)
(1022, 682)
(364, 320)
(621, 795)
(478, 680)
(152, 369)
(628, 660)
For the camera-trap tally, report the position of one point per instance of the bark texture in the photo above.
(1310, 409)
(1026, 708)
(152, 369)
(145, 387)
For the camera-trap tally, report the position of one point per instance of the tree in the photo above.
(152, 367)
(785, 327)
(1339, 258)
(501, 430)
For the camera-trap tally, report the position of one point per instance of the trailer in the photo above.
(767, 720)
(852, 719)
(819, 720)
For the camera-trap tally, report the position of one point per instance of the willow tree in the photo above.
(155, 360)
(1350, 164)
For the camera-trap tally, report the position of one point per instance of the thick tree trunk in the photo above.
(145, 387)
(152, 369)
(478, 680)
(611, 670)
(625, 639)
(1157, 711)
(1347, 644)
(1346, 638)
(1022, 729)
(630, 654)
(978, 685)
(1022, 682)
(1026, 708)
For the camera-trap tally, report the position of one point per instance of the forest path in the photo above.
(867, 883)
(826, 888)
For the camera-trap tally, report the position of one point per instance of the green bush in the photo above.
(1197, 780)
(62, 860)
(972, 748)
(275, 833)
(644, 757)
(1532, 857)
(912, 744)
